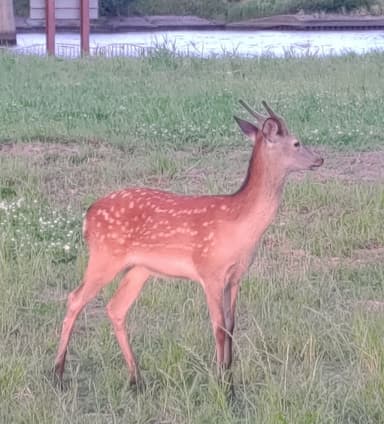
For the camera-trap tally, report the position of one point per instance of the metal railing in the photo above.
(72, 51)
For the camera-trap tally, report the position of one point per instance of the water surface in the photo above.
(242, 43)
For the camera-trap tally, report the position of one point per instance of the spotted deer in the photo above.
(211, 239)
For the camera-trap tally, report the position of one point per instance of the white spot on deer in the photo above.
(209, 236)
(223, 207)
(131, 204)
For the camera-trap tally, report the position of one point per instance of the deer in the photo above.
(211, 239)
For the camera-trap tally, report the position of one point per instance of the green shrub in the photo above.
(202, 8)
(113, 7)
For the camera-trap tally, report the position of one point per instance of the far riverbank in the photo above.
(300, 22)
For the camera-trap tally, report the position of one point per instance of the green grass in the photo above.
(308, 345)
(166, 102)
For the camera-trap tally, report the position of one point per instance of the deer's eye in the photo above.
(296, 144)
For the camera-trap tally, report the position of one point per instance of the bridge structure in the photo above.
(7, 23)
(64, 10)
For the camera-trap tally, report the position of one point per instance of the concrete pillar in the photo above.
(7, 23)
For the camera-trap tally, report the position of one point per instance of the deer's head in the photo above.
(280, 148)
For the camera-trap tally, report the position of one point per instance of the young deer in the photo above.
(209, 239)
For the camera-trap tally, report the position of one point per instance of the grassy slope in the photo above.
(305, 351)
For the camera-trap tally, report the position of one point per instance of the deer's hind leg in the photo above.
(100, 271)
(118, 307)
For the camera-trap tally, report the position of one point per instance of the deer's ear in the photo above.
(248, 129)
(270, 129)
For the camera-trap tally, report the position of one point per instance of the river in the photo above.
(242, 43)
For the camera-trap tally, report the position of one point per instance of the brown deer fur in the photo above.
(209, 239)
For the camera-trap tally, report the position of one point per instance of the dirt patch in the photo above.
(38, 149)
(370, 306)
(345, 166)
(98, 168)
(359, 258)
(352, 166)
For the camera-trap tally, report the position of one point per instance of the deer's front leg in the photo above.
(215, 308)
(229, 306)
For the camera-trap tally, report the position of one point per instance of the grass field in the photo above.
(309, 345)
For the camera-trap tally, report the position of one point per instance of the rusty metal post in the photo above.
(84, 27)
(50, 26)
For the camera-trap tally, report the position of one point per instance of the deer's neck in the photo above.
(261, 191)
